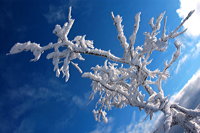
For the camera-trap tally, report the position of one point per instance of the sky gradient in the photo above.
(33, 100)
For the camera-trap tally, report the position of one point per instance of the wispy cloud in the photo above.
(81, 101)
(27, 99)
(35, 97)
(56, 13)
(193, 53)
(193, 23)
(143, 126)
(189, 94)
(60, 11)
(196, 50)
(104, 128)
(73, 3)
(193, 29)
(188, 97)
(181, 62)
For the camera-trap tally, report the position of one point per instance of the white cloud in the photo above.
(60, 12)
(193, 53)
(188, 96)
(143, 126)
(103, 128)
(25, 100)
(35, 96)
(193, 24)
(56, 13)
(80, 102)
(196, 50)
(181, 61)
(73, 3)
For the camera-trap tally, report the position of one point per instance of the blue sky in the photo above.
(33, 100)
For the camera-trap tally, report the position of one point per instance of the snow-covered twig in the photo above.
(119, 86)
(135, 30)
(122, 38)
(190, 112)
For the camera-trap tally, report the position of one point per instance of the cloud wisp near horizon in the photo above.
(188, 97)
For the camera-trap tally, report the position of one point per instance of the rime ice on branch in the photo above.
(116, 85)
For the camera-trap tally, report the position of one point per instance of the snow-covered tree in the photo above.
(118, 85)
